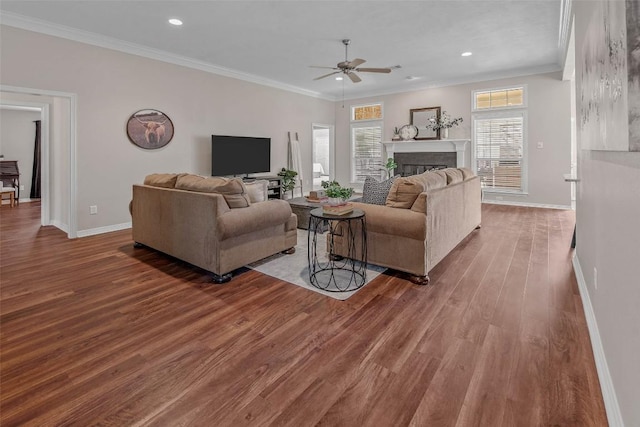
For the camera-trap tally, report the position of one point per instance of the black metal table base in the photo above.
(337, 274)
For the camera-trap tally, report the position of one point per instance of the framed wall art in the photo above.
(421, 117)
(150, 129)
(610, 78)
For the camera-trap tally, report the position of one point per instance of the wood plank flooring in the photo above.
(95, 332)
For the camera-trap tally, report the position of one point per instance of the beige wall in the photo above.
(549, 121)
(17, 137)
(608, 227)
(111, 85)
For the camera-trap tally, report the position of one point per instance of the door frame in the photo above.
(72, 173)
(332, 148)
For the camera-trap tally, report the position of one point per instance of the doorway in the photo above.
(322, 154)
(22, 150)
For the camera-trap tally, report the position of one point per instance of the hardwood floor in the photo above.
(95, 332)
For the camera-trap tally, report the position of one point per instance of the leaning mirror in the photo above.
(421, 117)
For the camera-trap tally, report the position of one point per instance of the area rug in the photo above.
(295, 268)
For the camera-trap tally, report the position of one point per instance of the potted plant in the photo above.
(396, 134)
(390, 166)
(288, 182)
(444, 122)
(336, 193)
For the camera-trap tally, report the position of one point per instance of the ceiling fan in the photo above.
(349, 67)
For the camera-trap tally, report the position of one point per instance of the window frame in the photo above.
(524, 105)
(509, 113)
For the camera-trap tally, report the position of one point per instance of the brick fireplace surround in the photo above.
(415, 157)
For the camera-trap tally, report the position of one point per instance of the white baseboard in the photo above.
(526, 204)
(107, 229)
(614, 416)
(61, 226)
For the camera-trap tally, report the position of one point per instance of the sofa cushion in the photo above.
(453, 175)
(257, 190)
(256, 217)
(232, 189)
(375, 192)
(405, 190)
(466, 173)
(164, 180)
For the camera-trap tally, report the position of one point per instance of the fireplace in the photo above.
(415, 157)
(417, 163)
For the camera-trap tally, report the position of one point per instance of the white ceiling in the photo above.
(275, 41)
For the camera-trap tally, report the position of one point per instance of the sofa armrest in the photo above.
(256, 217)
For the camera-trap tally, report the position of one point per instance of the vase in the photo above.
(335, 201)
(444, 133)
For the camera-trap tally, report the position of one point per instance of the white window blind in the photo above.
(499, 149)
(366, 151)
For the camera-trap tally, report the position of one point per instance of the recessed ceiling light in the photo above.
(467, 54)
(339, 78)
(175, 21)
(411, 78)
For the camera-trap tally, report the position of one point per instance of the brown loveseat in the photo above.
(424, 218)
(209, 222)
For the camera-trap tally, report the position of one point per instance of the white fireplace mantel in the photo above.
(459, 146)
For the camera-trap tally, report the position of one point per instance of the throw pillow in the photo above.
(257, 190)
(165, 180)
(375, 192)
(232, 189)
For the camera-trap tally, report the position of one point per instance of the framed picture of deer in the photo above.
(149, 129)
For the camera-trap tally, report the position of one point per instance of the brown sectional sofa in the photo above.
(424, 218)
(209, 222)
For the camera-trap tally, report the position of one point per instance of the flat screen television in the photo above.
(237, 155)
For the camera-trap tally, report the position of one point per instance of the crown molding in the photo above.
(564, 30)
(86, 37)
(499, 75)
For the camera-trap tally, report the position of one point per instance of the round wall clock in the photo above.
(149, 129)
(408, 132)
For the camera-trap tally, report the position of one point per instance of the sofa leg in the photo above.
(419, 280)
(137, 245)
(219, 279)
(289, 251)
(479, 227)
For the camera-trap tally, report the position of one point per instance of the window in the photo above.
(499, 147)
(366, 137)
(499, 98)
(366, 112)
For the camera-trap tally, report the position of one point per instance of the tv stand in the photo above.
(274, 188)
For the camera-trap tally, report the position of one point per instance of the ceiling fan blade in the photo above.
(356, 62)
(327, 75)
(374, 70)
(328, 68)
(354, 77)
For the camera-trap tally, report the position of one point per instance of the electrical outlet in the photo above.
(595, 278)
(540, 144)
(93, 210)
(22, 188)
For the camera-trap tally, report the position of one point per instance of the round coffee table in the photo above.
(337, 273)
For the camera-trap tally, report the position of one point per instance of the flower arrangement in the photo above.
(443, 122)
